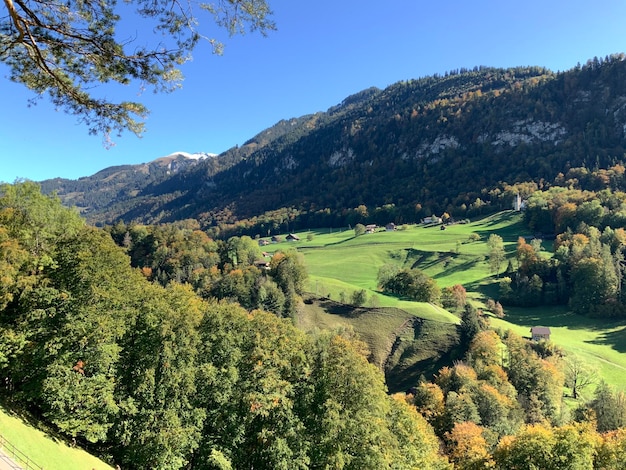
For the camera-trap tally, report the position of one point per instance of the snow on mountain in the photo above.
(192, 156)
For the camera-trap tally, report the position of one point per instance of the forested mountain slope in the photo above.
(95, 192)
(416, 148)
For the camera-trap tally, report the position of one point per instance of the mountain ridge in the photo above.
(418, 147)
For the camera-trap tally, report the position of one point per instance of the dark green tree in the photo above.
(459, 408)
(609, 408)
(250, 376)
(593, 283)
(288, 270)
(358, 297)
(160, 419)
(470, 325)
(414, 284)
(538, 381)
(79, 333)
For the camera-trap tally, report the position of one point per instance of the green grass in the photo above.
(377, 326)
(421, 350)
(599, 342)
(401, 343)
(42, 449)
(339, 263)
(447, 255)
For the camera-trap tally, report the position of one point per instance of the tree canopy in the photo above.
(63, 49)
(154, 376)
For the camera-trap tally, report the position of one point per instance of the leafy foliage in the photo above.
(145, 370)
(414, 284)
(64, 49)
(587, 269)
(157, 377)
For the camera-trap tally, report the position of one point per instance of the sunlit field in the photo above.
(339, 263)
(42, 448)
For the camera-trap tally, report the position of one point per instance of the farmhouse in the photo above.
(371, 228)
(262, 264)
(431, 220)
(390, 227)
(538, 333)
(292, 237)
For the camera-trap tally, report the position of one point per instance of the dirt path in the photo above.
(6, 463)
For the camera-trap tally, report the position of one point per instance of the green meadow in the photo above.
(599, 342)
(339, 263)
(24, 438)
(340, 260)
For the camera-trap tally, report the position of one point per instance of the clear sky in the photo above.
(322, 52)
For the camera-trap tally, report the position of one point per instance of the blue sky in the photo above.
(322, 52)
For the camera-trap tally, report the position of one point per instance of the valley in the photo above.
(340, 263)
(366, 274)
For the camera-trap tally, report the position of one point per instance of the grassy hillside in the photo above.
(42, 449)
(410, 338)
(406, 339)
(404, 344)
(447, 255)
(599, 342)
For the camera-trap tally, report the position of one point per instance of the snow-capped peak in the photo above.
(192, 156)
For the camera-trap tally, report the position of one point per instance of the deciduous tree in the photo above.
(485, 349)
(495, 245)
(161, 418)
(609, 408)
(611, 453)
(467, 447)
(578, 375)
(531, 448)
(453, 297)
(470, 324)
(359, 229)
(358, 297)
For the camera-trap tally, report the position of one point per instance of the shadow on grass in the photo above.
(427, 259)
(16, 409)
(456, 268)
(509, 233)
(615, 339)
(346, 310)
(557, 316)
(431, 347)
(337, 308)
(321, 247)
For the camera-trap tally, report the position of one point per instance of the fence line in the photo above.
(17, 455)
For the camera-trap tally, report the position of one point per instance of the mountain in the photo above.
(93, 193)
(434, 144)
(133, 192)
